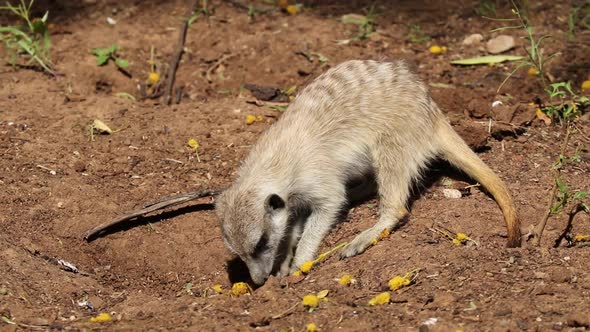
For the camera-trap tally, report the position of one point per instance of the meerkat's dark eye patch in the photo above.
(261, 246)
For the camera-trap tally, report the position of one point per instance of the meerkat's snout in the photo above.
(256, 239)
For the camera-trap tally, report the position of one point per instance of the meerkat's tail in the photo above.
(455, 150)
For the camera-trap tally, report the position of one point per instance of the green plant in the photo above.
(569, 104)
(365, 23)
(535, 58)
(564, 197)
(416, 35)
(578, 16)
(486, 8)
(567, 110)
(198, 12)
(30, 40)
(103, 55)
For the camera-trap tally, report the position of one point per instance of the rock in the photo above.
(475, 38)
(500, 44)
(451, 193)
(503, 312)
(502, 130)
(443, 301)
(503, 113)
(475, 136)
(478, 108)
(578, 319)
(560, 276)
(291, 279)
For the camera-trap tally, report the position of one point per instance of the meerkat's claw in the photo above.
(358, 245)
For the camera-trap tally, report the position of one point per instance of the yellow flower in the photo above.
(259, 118)
(193, 144)
(460, 238)
(250, 119)
(297, 273)
(217, 288)
(101, 318)
(581, 238)
(382, 298)
(435, 49)
(586, 85)
(306, 267)
(311, 327)
(345, 280)
(311, 301)
(385, 234)
(240, 288)
(292, 9)
(373, 242)
(398, 282)
(533, 71)
(153, 78)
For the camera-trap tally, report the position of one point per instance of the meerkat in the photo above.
(358, 120)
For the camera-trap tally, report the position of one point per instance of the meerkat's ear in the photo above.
(274, 203)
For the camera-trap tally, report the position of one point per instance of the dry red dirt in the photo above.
(140, 274)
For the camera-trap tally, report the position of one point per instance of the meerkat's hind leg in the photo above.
(361, 242)
(394, 174)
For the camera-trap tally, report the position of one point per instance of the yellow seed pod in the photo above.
(306, 267)
(581, 238)
(153, 78)
(240, 288)
(398, 282)
(259, 118)
(382, 298)
(586, 85)
(311, 327)
(250, 119)
(292, 9)
(217, 288)
(297, 273)
(435, 49)
(101, 318)
(374, 242)
(345, 280)
(533, 71)
(311, 301)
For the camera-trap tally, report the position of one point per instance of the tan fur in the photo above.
(358, 120)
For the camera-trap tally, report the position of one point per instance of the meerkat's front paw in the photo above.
(285, 269)
(358, 245)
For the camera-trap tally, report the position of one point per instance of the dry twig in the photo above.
(175, 60)
(155, 206)
(540, 227)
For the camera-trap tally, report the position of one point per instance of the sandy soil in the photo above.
(157, 273)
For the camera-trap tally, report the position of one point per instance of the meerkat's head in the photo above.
(253, 226)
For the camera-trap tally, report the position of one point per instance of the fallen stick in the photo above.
(175, 60)
(155, 206)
